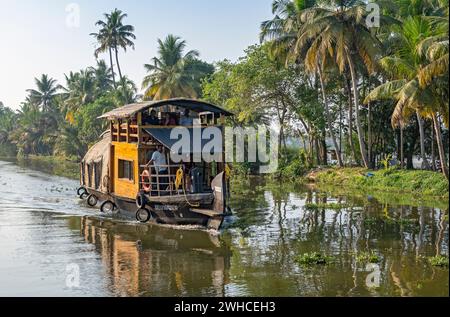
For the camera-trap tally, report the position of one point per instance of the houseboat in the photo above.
(132, 171)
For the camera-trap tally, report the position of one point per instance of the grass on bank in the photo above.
(394, 180)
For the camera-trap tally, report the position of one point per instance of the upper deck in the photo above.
(128, 124)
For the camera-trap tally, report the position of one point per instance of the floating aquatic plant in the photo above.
(367, 257)
(333, 206)
(313, 258)
(439, 260)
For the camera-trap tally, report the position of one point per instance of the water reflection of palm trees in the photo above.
(159, 261)
(343, 227)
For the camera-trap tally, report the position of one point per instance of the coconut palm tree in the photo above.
(104, 39)
(404, 64)
(45, 93)
(169, 75)
(7, 119)
(420, 70)
(126, 91)
(103, 77)
(340, 30)
(81, 89)
(30, 133)
(113, 35)
(282, 32)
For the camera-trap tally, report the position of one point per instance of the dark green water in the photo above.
(45, 231)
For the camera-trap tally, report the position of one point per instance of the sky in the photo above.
(52, 36)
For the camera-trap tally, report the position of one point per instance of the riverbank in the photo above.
(53, 165)
(393, 185)
(423, 183)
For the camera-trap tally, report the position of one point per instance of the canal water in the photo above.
(52, 244)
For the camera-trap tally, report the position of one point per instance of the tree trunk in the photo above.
(112, 67)
(350, 118)
(433, 153)
(329, 121)
(402, 154)
(369, 136)
(316, 145)
(323, 143)
(118, 65)
(443, 159)
(362, 145)
(425, 164)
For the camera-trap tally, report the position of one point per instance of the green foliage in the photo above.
(254, 89)
(393, 179)
(439, 260)
(7, 119)
(331, 206)
(386, 161)
(313, 258)
(173, 73)
(293, 163)
(367, 257)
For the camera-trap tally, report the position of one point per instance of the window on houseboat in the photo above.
(126, 170)
(97, 174)
(89, 167)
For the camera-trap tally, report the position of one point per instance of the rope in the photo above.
(227, 172)
(178, 182)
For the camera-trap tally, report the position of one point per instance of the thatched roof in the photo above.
(101, 149)
(194, 105)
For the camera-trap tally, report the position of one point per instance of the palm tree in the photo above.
(169, 75)
(340, 30)
(30, 133)
(404, 63)
(113, 34)
(81, 89)
(434, 77)
(45, 93)
(421, 72)
(283, 31)
(104, 39)
(103, 77)
(122, 34)
(7, 119)
(126, 91)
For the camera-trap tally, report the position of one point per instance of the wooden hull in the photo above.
(171, 214)
(206, 209)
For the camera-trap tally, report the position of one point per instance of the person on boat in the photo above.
(152, 119)
(186, 120)
(158, 159)
(170, 120)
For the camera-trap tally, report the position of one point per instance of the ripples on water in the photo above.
(44, 228)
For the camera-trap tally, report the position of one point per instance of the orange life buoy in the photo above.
(146, 181)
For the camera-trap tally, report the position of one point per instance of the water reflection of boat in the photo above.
(154, 260)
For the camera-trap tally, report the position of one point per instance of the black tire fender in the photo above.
(141, 200)
(143, 215)
(92, 200)
(81, 191)
(104, 204)
(84, 195)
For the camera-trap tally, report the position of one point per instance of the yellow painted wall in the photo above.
(128, 152)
